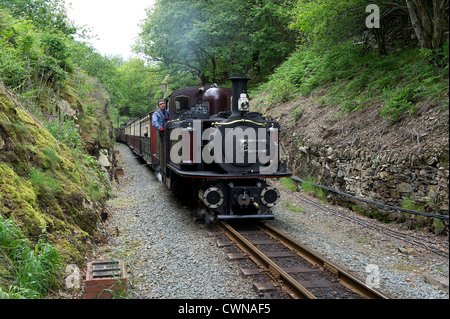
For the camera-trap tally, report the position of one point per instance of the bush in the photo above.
(353, 79)
(399, 102)
(30, 58)
(65, 131)
(34, 270)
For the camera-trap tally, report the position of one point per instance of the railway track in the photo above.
(414, 240)
(291, 266)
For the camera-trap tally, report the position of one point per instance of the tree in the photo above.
(29, 56)
(270, 38)
(140, 87)
(323, 21)
(171, 36)
(429, 21)
(51, 15)
(213, 39)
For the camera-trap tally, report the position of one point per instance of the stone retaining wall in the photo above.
(386, 177)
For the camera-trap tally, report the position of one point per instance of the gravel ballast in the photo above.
(170, 255)
(404, 271)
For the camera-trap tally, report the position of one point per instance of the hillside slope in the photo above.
(364, 155)
(373, 127)
(46, 185)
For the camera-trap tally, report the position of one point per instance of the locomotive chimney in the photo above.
(240, 99)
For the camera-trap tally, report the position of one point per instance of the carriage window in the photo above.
(181, 103)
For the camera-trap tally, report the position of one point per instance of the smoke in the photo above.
(203, 214)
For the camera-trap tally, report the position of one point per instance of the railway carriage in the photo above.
(213, 149)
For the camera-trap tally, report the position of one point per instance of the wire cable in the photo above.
(374, 203)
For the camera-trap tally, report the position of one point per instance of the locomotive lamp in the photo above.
(243, 103)
(239, 102)
(212, 197)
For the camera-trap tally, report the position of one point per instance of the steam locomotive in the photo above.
(213, 149)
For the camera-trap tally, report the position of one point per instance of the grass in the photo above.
(438, 225)
(352, 79)
(408, 203)
(51, 157)
(95, 191)
(289, 184)
(308, 187)
(293, 208)
(120, 292)
(43, 182)
(28, 271)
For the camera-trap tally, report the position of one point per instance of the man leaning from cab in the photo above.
(160, 117)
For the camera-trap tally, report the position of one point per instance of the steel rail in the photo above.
(288, 283)
(350, 281)
(413, 240)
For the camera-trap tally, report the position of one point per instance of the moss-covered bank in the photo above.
(44, 184)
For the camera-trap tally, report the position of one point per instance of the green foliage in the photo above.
(31, 58)
(293, 208)
(95, 191)
(51, 156)
(326, 22)
(102, 68)
(288, 183)
(399, 102)
(91, 161)
(93, 164)
(43, 182)
(207, 41)
(133, 87)
(33, 270)
(49, 15)
(408, 203)
(353, 80)
(54, 46)
(20, 128)
(15, 292)
(308, 186)
(65, 131)
(16, 37)
(140, 87)
(438, 225)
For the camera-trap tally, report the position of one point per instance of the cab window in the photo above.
(181, 104)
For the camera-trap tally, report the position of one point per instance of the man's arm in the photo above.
(155, 122)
